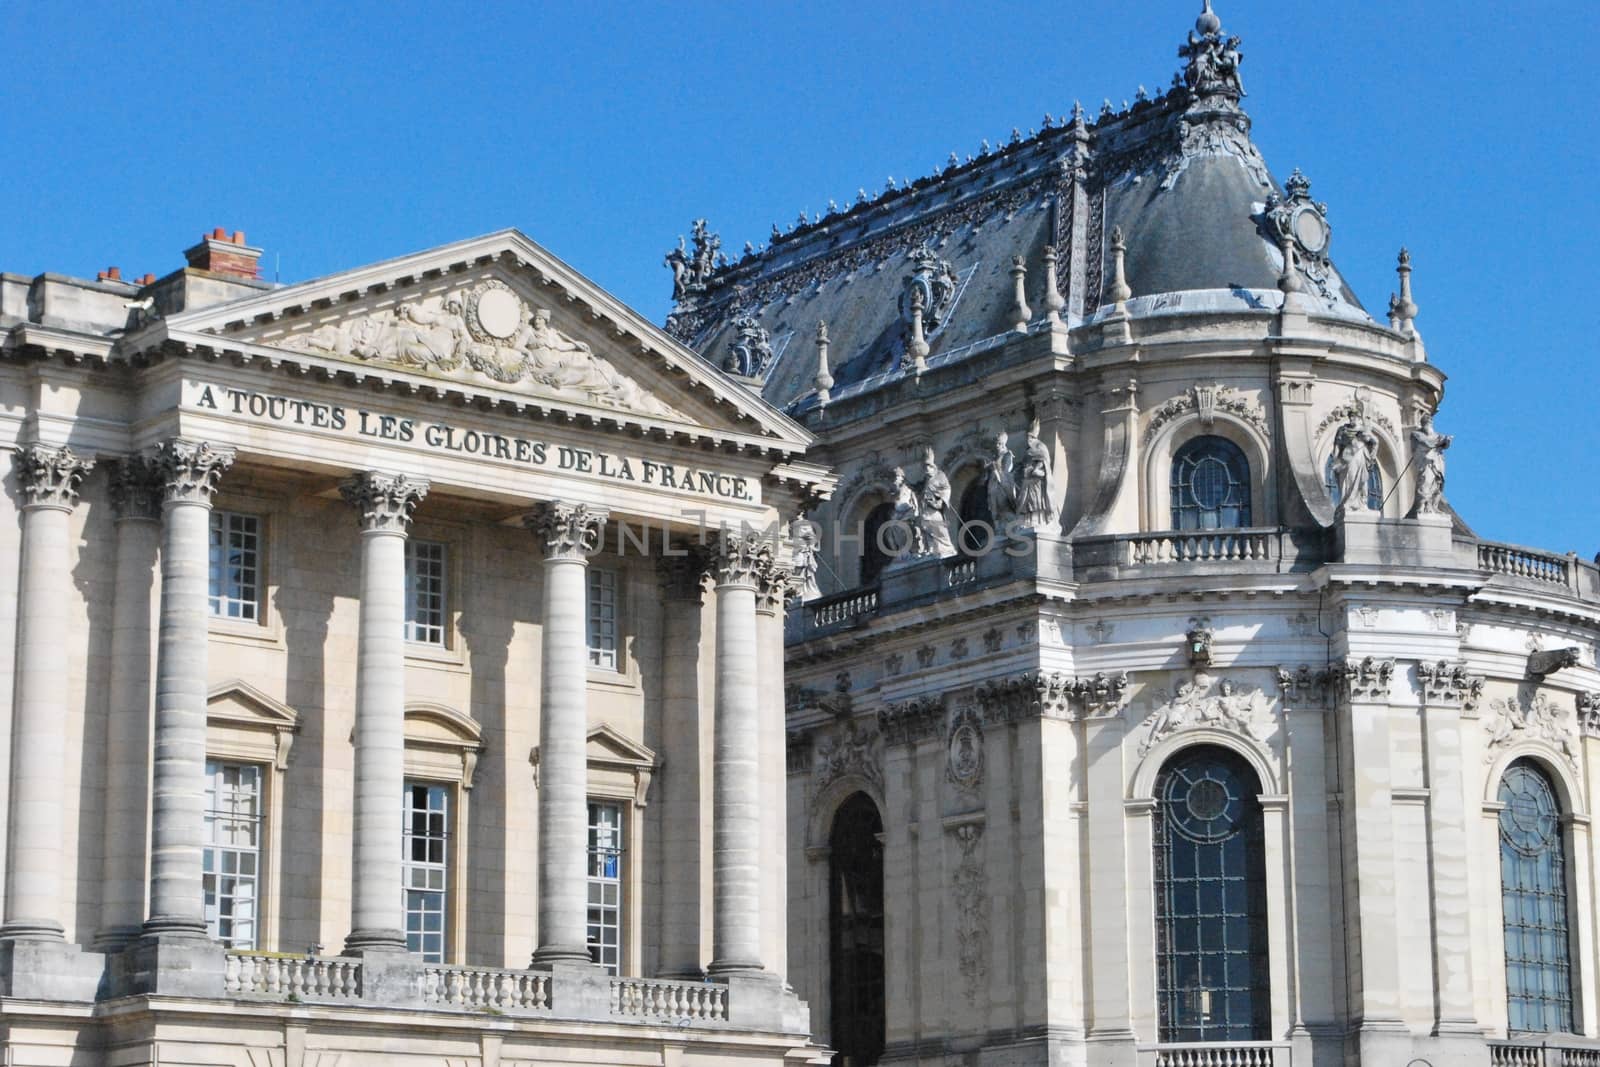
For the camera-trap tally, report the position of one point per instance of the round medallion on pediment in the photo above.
(494, 312)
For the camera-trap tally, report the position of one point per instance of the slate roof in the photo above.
(1177, 173)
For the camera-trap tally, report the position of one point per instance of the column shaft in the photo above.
(680, 792)
(773, 775)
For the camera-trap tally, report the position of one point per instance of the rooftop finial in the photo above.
(1402, 309)
(1212, 73)
(824, 374)
(1208, 22)
(1119, 278)
(1053, 300)
(918, 344)
(1020, 311)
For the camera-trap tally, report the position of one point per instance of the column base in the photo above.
(361, 942)
(32, 930)
(547, 956)
(174, 928)
(170, 962)
(46, 969)
(747, 968)
(115, 938)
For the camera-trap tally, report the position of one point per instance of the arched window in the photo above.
(1212, 979)
(1330, 481)
(855, 932)
(1210, 485)
(1533, 898)
(873, 556)
(977, 532)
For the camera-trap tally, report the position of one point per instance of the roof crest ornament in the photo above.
(1212, 73)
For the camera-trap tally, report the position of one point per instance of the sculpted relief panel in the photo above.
(486, 328)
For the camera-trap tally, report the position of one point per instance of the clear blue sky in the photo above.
(338, 134)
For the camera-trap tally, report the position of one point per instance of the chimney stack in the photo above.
(221, 253)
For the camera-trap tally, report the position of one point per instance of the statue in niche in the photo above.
(1427, 449)
(803, 539)
(933, 501)
(1002, 494)
(907, 518)
(1355, 452)
(1033, 483)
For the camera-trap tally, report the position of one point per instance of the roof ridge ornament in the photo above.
(1212, 72)
(1299, 226)
(1402, 309)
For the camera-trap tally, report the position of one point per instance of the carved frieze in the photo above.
(1205, 401)
(964, 750)
(911, 721)
(1537, 719)
(925, 656)
(1445, 682)
(486, 329)
(991, 639)
(849, 749)
(970, 885)
(1304, 687)
(1366, 679)
(49, 477)
(1221, 705)
(1051, 696)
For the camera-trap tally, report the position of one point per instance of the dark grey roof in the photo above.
(1200, 214)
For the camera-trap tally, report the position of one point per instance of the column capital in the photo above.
(681, 574)
(189, 470)
(48, 476)
(738, 557)
(774, 585)
(136, 488)
(385, 501)
(568, 531)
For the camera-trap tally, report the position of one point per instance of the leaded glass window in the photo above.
(1330, 481)
(234, 572)
(425, 592)
(425, 868)
(1210, 485)
(602, 614)
(231, 862)
(605, 886)
(1212, 978)
(855, 933)
(1533, 899)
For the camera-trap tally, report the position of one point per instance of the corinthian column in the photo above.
(771, 596)
(385, 503)
(48, 480)
(735, 771)
(569, 533)
(189, 471)
(136, 499)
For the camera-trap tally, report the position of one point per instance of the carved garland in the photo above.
(1207, 400)
(972, 910)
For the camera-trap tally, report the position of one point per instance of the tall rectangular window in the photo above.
(425, 869)
(605, 886)
(232, 859)
(425, 592)
(235, 566)
(603, 618)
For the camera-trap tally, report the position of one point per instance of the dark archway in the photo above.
(977, 532)
(873, 537)
(855, 932)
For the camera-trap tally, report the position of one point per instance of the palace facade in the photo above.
(394, 676)
(1149, 704)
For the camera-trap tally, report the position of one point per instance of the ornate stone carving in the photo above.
(991, 639)
(1299, 223)
(487, 329)
(893, 664)
(958, 648)
(750, 352)
(1304, 687)
(1427, 456)
(1197, 641)
(1033, 507)
(738, 557)
(1588, 705)
(1449, 683)
(925, 656)
(1051, 695)
(1195, 704)
(997, 463)
(1302, 625)
(803, 541)
(932, 283)
(1101, 631)
(911, 721)
(849, 750)
(970, 883)
(773, 583)
(1212, 68)
(1366, 680)
(691, 271)
(798, 752)
(1355, 454)
(1548, 661)
(1214, 134)
(135, 488)
(964, 750)
(1359, 406)
(383, 501)
(569, 531)
(1206, 400)
(1540, 719)
(49, 477)
(189, 470)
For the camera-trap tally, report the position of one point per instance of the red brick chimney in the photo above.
(220, 253)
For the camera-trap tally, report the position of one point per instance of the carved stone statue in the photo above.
(1033, 483)
(1213, 67)
(750, 353)
(1427, 451)
(933, 502)
(907, 517)
(935, 281)
(804, 562)
(691, 270)
(1355, 452)
(677, 261)
(1002, 494)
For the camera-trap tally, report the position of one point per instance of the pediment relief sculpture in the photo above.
(1206, 399)
(849, 750)
(489, 330)
(1539, 719)
(1223, 706)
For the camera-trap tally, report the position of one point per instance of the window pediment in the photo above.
(245, 723)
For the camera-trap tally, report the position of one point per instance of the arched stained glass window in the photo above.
(1212, 978)
(873, 556)
(855, 933)
(1210, 485)
(1533, 899)
(1330, 481)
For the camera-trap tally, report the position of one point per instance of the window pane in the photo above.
(234, 566)
(602, 617)
(425, 592)
(1210, 485)
(605, 886)
(1533, 890)
(231, 859)
(424, 868)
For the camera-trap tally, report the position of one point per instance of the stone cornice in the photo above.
(49, 477)
(384, 501)
(189, 470)
(568, 531)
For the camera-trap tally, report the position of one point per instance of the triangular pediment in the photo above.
(496, 312)
(608, 746)
(242, 704)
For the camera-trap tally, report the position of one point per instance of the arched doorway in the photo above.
(855, 932)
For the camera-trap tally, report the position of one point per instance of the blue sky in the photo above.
(335, 135)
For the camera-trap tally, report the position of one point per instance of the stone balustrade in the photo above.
(306, 978)
(485, 989)
(669, 1001)
(1518, 562)
(1547, 1053)
(1217, 1054)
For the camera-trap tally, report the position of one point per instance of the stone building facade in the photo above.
(393, 674)
(1148, 703)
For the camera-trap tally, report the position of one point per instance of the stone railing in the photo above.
(1216, 1054)
(959, 572)
(1517, 562)
(485, 989)
(1250, 550)
(1567, 1052)
(669, 1001)
(268, 974)
(1190, 546)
